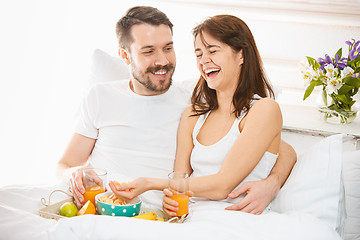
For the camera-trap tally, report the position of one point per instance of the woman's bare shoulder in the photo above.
(265, 109)
(265, 104)
(189, 114)
(188, 120)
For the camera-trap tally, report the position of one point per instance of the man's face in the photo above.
(152, 59)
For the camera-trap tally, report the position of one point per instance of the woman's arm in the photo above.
(184, 145)
(262, 127)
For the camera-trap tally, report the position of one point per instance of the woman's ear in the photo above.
(241, 56)
(123, 53)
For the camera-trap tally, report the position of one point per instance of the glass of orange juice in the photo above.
(94, 180)
(179, 185)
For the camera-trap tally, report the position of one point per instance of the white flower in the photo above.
(307, 72)
(347, 72)
(333, 84)
(330, 70)
(317, 73)
(306, 75)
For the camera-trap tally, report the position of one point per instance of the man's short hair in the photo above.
(139, 15)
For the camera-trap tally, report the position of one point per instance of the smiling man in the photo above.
(129, 127)
(151, 57)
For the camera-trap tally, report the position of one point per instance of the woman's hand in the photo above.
(170, 206)
(129, 190)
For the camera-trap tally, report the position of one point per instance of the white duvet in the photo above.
(19, 219)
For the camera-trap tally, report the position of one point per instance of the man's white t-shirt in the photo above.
(135, 135)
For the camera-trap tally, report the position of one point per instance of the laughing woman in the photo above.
(232, 131)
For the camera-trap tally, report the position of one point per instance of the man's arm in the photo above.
(259, 194)
(75, 155)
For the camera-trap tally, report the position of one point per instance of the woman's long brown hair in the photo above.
(252, 80)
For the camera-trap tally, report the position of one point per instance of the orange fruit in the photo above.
(88, 208)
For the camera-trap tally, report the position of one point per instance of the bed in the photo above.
(320, 200)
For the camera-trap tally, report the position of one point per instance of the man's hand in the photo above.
(258, 196)
(77, 187)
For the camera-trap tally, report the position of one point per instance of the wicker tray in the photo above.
(52, 211)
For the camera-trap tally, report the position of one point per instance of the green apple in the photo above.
(68, 209)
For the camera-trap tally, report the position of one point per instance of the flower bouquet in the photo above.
(340, 80)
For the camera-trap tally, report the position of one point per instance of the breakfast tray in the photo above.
(51, 211)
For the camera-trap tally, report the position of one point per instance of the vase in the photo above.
(340, 116)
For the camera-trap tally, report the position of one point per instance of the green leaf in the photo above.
(357, 70)
(309, 90)
(312, 62)
(342, 98)
(345, 89)
(339, 52)
(321, 78)
(352, 81)
(353, 91)
(354, 63)
(357, 59)
(324, 96)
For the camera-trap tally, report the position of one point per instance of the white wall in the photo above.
(46, 47)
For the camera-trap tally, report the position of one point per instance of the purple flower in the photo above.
(325, 62)
(350, 43)
(341, 63)
(356, 75)
(354, 52)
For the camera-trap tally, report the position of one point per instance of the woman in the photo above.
(232, 131)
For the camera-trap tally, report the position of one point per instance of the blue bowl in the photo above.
(130, 210)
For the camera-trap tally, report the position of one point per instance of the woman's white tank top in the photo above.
(207, 160)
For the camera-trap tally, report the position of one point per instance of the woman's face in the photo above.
(217, 62)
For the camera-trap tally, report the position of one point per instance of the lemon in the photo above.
(68, 209)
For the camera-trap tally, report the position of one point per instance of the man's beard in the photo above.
(146, 81)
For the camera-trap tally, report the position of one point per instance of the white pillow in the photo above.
(351, 170)
(315, 185)
(105, 67)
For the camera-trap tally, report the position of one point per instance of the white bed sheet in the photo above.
(20, 220)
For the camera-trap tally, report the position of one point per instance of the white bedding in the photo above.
(20, 220)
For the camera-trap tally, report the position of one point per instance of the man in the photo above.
(129, 127)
